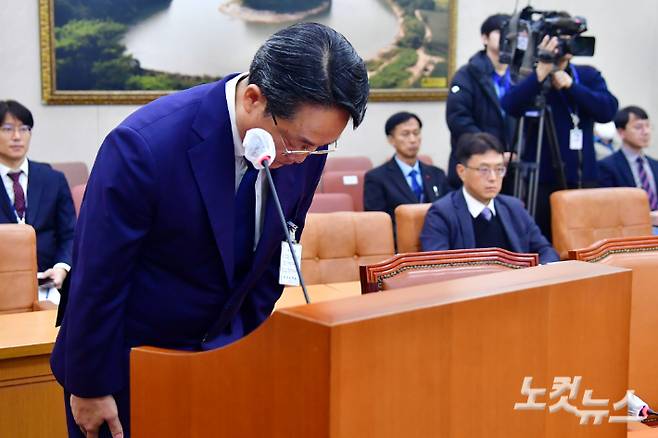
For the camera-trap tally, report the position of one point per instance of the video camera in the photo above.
(522, 34)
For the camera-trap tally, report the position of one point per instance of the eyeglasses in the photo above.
(306, 149)
(498, 171)
(10, 129)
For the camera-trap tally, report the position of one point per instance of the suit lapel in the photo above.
(5, 206)
(400, 180)
(428, 183)
(465, 219)
(35, 184)
(213, 166)
(654, 168)
(506, 220)
(625, 169)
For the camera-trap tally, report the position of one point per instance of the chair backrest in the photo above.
(76, 172)
(347, 164)
(18, 268)
(412, 269)
(335, 244)
(426, 159)
(330, 202)
(409, 220)
(581, 217)
(639, 253)
(350, 182)
(78, 192)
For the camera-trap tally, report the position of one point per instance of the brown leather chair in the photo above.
(641, 255)
(341, 164)
(18, 270)
(581, 217)
(331, 202)
(335, 244)
(350, 182)
(78, 193)
(404, 270)
(76, 172)
(409, 220)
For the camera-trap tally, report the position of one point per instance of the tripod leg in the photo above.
(556, 156)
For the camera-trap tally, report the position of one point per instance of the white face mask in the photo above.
(258, 147)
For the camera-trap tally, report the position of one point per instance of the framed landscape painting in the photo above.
(132, 51)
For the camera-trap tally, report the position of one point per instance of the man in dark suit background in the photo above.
(178, 241)
(404, 179)
(35, 194)
(478, 216)
(630, 166)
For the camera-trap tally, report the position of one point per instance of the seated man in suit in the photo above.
(35, 194)
(403, 179)
(629, 166)
(478, 216)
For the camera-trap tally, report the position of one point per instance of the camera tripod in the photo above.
(526, 178)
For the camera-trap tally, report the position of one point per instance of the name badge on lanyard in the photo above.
(575, 134)
(287, 271)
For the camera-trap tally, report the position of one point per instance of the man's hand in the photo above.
(548, 45)
(561, 80)
(91, 413)
(57, 275)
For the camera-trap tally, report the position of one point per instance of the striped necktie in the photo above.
(644, 182)
(19, 195)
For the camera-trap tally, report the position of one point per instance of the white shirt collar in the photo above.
(475, 207)
(24, 167)
(630, 153)
(230, 89)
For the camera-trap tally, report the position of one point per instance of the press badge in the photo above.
(576, 139)
(287, 271)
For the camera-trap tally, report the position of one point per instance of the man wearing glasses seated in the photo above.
(478, 216)
(179, 239)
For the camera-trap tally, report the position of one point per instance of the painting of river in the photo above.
(143, 48)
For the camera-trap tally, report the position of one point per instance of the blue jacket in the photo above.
(614, 171)
(589, 97)
(154, 245)
(449, 225)
(49, 211)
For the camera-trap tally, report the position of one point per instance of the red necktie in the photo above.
(19, 195)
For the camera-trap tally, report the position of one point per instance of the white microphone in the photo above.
(260, 151)
(259, 147)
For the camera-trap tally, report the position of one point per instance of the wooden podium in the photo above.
(440, 360)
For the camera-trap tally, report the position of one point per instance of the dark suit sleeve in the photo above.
(65, 222)
(606, 174)
(459, 107)
(593, 97)
(260, 301)
(537, 242)
(521, 96)
(119, 206)
(435, 235)
(374, 195)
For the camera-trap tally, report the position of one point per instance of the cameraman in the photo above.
(473, 104)
(578, 97)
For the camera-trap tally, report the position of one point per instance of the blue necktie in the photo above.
(245, 222)
(486, 214)
(644, 181)
(415, 187)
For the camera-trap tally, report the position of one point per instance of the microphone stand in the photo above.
(266, 166)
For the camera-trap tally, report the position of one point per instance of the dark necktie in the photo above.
(415, 187)
(19, 195)
(245, 222)
(486, 214)
(644, 181)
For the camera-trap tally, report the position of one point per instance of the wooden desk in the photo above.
(293, 295)
(639, 430)
(31, 401)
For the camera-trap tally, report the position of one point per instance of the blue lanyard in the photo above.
(576, 80)
(502, 84)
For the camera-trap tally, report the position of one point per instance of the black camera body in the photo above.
(521, 35)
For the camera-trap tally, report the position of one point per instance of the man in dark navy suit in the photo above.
(404, 179)
(478, 216)
(630, 166)
(178, 241)
(35, 194)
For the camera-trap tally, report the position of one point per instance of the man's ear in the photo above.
(485, 39)
(461, 169)
(390, 140)
(253, 99)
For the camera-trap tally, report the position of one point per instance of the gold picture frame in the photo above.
(436, 90)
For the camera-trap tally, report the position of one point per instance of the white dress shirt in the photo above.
(261, 186)
(9, 183)
(475, 207)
